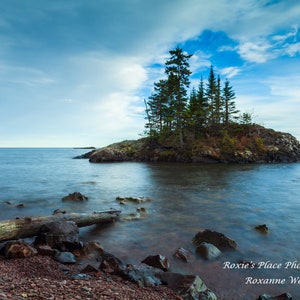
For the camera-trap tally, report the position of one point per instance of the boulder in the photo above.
(182, 254)
(208, 251)
(285, 296)
(76, 197)
(62, 235)
(157, 261)
(19, 249)
(217, 239)
(189, 287)
(262, 228)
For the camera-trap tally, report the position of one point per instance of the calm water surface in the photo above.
(186, 198)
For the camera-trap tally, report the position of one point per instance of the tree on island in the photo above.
(173, 112)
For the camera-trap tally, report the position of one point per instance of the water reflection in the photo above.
(186, 198)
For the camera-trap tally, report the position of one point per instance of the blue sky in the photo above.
(74, 72)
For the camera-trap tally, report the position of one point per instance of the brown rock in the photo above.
(157, 261)
(77, 197)
(19, 249)
(217, 239)
(182, 254)
(45, 250)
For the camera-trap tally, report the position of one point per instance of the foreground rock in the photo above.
(189, 287)
(62, 235)
(248, 144)
(285, 296)
(19, 249)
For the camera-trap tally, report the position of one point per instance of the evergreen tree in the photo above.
(211, 94)
(229, 104)
(178, 72)
(198, 109)
(158, 106)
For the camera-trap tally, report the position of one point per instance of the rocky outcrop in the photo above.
(251, 144)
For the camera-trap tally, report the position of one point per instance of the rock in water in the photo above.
(208, 251)
(77, 197)
(217, 239)
(262, 228)
(157, 261)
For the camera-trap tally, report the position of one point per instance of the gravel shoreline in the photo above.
(40, 277)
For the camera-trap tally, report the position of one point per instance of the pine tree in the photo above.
(198, 109)
(229, 104)
(178, 72)
(211, 94)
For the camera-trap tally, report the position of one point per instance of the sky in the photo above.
(75, 73)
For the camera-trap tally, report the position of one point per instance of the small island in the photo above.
(199, 125)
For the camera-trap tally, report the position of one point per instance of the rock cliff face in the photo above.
(255, 145)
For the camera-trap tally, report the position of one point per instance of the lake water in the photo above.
(186, 199)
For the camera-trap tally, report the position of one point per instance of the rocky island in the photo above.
(249, 144)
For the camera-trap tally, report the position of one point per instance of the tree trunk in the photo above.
(27, 227)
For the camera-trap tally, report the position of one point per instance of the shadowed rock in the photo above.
(216, 238)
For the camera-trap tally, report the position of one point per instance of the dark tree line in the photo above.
(173, 111)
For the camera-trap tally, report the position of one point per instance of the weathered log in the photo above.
(27, 227)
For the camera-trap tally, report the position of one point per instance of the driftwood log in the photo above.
(27, 227)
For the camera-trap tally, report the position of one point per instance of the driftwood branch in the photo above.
(27, 227)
